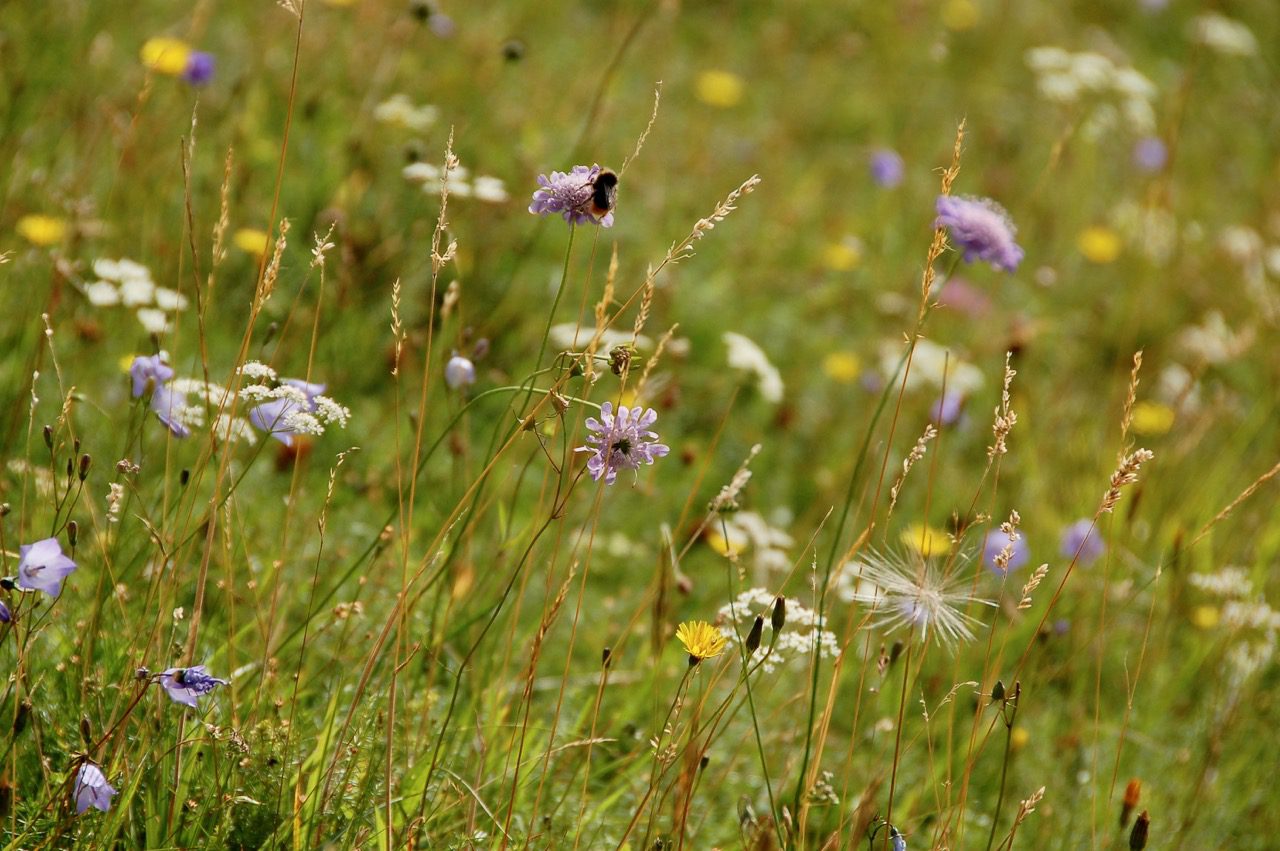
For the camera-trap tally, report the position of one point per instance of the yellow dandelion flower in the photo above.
(252, 241)
(959, 15)
(720, 88)
(843, 367)
(1099, 244)
(166, 55)
(843, 256)
(926, 540)
(1018, 738)
(1152, 418)
(1205, 617)
(725, 546)
(42, 230)
(701, 640)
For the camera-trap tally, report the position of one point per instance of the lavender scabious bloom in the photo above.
(621, 442)
(886, 168)
(168, 407)
(459, 372)
(1150, 154)
(996, 541)
(199, 68)
(92, 789)
(187, 685)
(570, 195)
(947, 409)
(42, 567)
(148, 371)
(1081, 541)
(982, 229)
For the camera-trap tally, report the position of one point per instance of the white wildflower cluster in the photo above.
(1213, 341)
(482, 187)
(1258, 262)
(127, 283)
(803, 633)
(195, 398)
(568, 336)
(932, 365)
(744, 354)
(1227, 582)
(748, 531)
(1250, 614)
(1118, 94)
(1224, 35)
(399, 111)
(257, 371)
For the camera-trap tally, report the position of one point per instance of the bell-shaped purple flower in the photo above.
(459, 372)
(148, 371)
(168, 407)
(42, 567)
(92, 789)
(200, 67)
(621, 442)
(982, 230)
(1082, 542)
(6, 616)
(188, 685)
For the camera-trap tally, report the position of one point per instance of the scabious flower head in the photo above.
(621, 442)
(1082, 538)
(994, 545)
(188, 685)
(1150, 154)
(92, 789)
(886, 167)
(701, 640)
(199, 69)
(42, 567)
(982, 229)
(459, 372)
(569, 194)
(146, 371)
(908, 590)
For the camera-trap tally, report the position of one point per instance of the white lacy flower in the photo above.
(330, 411)
(135, 292)
(399, 111)
(102, 293)
(490, 189)
(744, 354)
(1226, 36)
(167, 299)
(803, 633)
(931, 365)
(568, 335)
(155, 321)
(257, 370)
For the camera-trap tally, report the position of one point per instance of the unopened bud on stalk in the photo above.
(753, 637)
(73, 533)
(48, 436)
(85, 462)
(779, 618)
(1138, 838)
(1131, 794)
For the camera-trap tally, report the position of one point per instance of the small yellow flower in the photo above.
(1099, 244)
(701, 640)
(1152, 418)
(1018, 738)
(126, 363)
(959, 15)
(725, 547)
(42, 230)
(843, 367)
(720, 88)
(1205, 617)
(252, 240)
(926, 540)
(166, 55)
(844, 256)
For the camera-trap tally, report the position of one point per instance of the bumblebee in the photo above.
(604, 194)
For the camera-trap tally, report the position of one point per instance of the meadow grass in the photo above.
(911, 550)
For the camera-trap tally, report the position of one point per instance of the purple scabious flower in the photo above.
(199, 68)
(42, 567)
(188, 685)
(570, 195)
(996, 541)
(1082, 542)
(621, 442)
(92, 789)
(148, 371)
(459, 371)
(1150, 154)
(168, 407)
(982, 229)
(948, 408)
(886, 167)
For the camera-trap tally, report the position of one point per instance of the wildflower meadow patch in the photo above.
(639, 425)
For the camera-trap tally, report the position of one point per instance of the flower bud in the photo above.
(48, 436)
(779, 618)
(606, 656)
(20, 719)
(1138, 838)
(753, 637)
(73, 533)
(86, 730)
(997, 691)
(85, 462)
(1131, 794)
